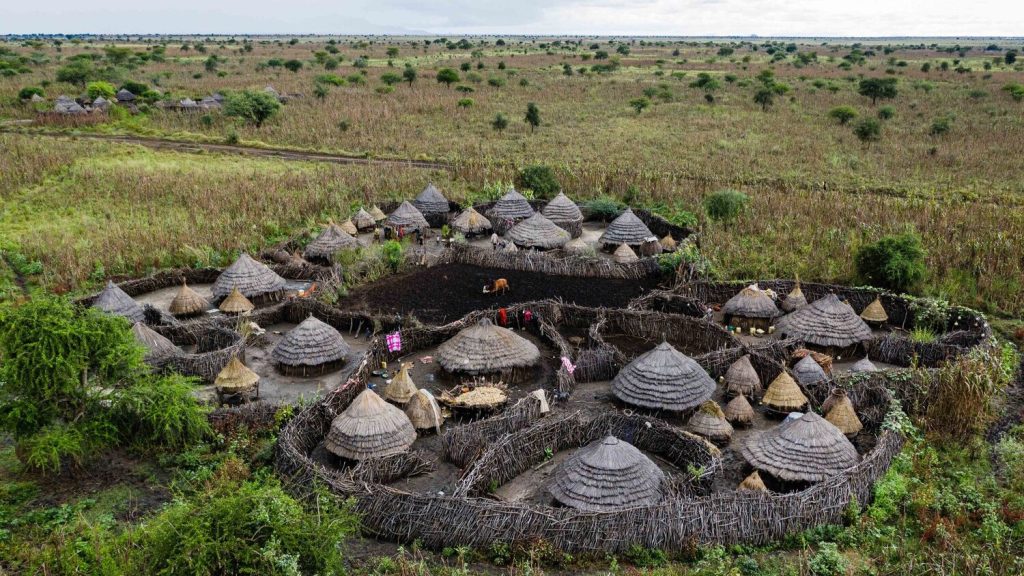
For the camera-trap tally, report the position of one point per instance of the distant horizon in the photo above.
(72, 35)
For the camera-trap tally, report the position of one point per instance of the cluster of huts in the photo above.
(65, 105)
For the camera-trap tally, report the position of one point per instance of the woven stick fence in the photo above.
(671, 303)
(546, 263)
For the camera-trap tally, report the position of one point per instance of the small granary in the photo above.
(235, 303)
(565, 214)
(839, 411)
(508, 210)
(538, 232)
(370, 428)
(663, 379)
(827, 323)
(784, 394)
(377, 214)
(187, 302)
(751, 308)
(124, 96)
(100, 103)
(113, 300)
(709, 421)
(348, 227)
(407, 216)
(236, 378)
(739, 412)
(668, 243)
(312, 347)
(624, 255)
(609, 474)
(578, 247)
(158, 348)
(753, 483)
(363, 221)
(875, 314)
(424, 412)
(864, 365)
(431, 203)
(628, 228)
(471, 223)
(741, 378)
(253, 279)
(331, 241)
(808, 372)
(795, 299)
(804, 449)
(484, 348)
(401, 389)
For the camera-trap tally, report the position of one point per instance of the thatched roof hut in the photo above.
(401, 389)
(431, 201)
(113, 300)
(236, 377)
(864, 365)
(741, 378)
(377, 214)
(808, 372)
(827, 322)
(709, 421)
(312, 346)
(804, 449)
(839, 411)
(252, 278)
(158, 347)
(370, 428)
(784, 394)
(349, 227)
(751, 303)
(363, 220)
(668, 243)
(663, 378)
(187, 302)
(628, 228)
(512, 206)
(609, 474)
(795, 299)
(407, 216)
(424, 412)
(471, 222)
(485, 348)
(101, 103)
(65, 105)
(565, 214)
(739, 411)
(875, 313)
(236, 303)
(331, 241)
(579, 247)
(538, 232)
(124, 95)
(753, 483)
(624, 255)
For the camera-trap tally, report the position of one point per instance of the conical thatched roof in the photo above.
(663, 379)
(349, 227)
(187, 302)
(864, 365)
(628, 228)
(377, 213)
(471, 222)
(741, 378)
(839, 411)
(236, 376)
(408, 216)
(562, 211)
(624, 254)
(538, 232)
(123, 95)
(311, 343)
(608, 474)
(370, 428)
(805, 449)
(252, 279)
(739, 410)
(753, 483)
(709, 421)
(158, 347)
(784, 394)
(65, 105)
(401, 388)
(875, 312)
(484, 348)
(235, 303)
(577, 246)
(512, 206)
(808, 372)
(113, 300)
(826, 322)
(363, 220)
(424, 412)
(751, 302)
(331, 241)
(795, 299)
(431, 201)
(668, 243)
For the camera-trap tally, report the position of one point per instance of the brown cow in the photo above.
(500, 286)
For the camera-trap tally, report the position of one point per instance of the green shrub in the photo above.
(252, 106)
(97, 89)
(725, 205)
(940, 126)
(330, 79)
(828, 561)
(539, 178)
(843, 114)
(160, 411)
(27, 92)
(642, 557)
(392, 252)
(604, 208)
(893, 262)
(868, 130)
(886, 112)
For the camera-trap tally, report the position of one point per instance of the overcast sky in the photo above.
(590, 17)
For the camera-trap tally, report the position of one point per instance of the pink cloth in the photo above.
(394, 341)
(568, 365)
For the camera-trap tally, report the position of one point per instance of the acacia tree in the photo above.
(532, 116)
(447, 76)
(409, 74)
(255, 107)
(500, 122)
(876, 88)
(765, 97)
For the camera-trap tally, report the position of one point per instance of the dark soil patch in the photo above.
(633, 346)
(448, 292)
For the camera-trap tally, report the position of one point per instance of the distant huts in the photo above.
(369, 428)
(433, 205)
(484, 348)
(471, 223)
(629, 229)
(124, 96)
(253, 279)
(565, 214)
(663, 378)
(187, 302)
(784, 394)
(509, 210)
(67, 106)
(538, 232)
(407, 216)
(803, 449)
(741, 378)
(606, 475)
(826, 323)
(113, 300)
(312, 347)
(331, 241)
(751, 307)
